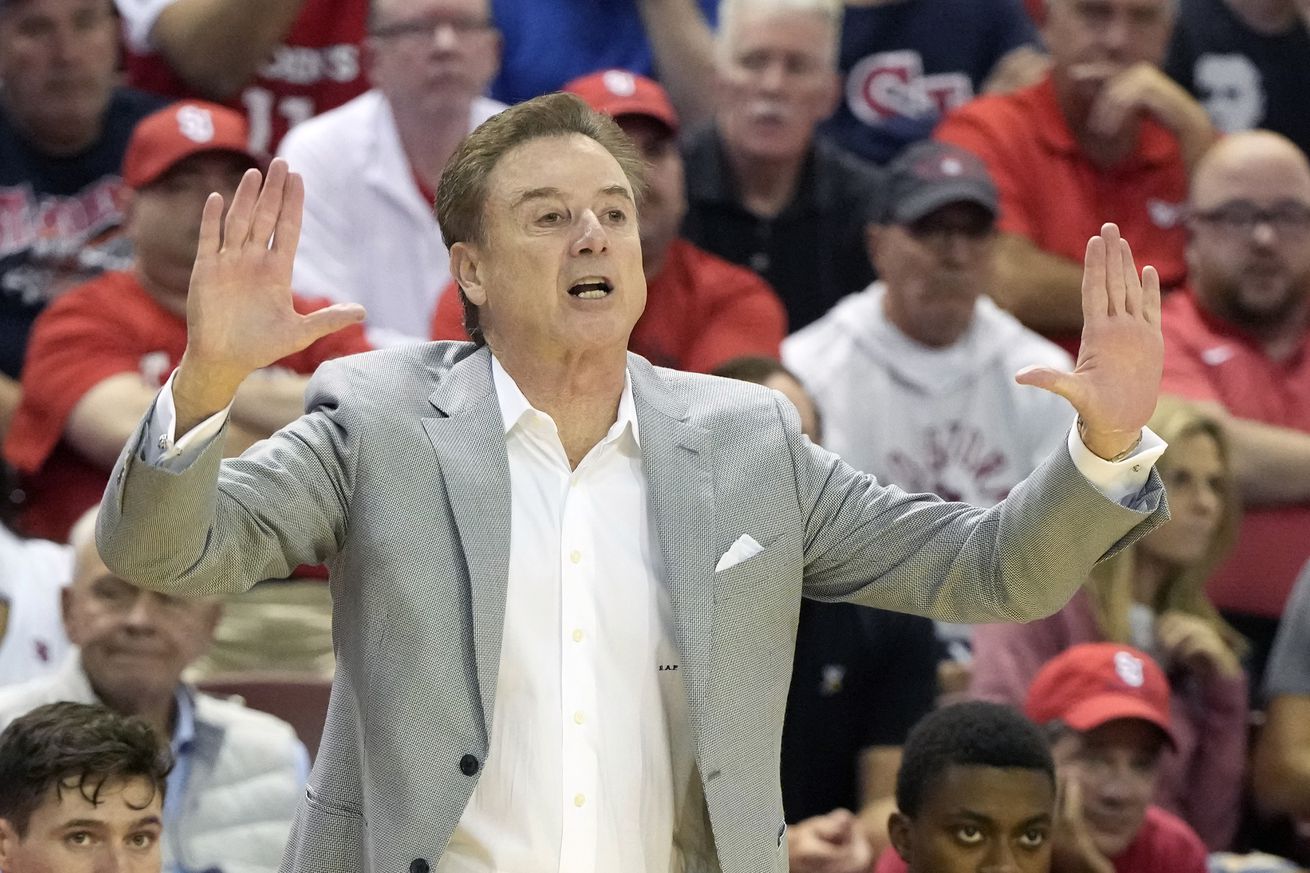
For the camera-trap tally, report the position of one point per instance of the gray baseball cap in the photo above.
(929, 175)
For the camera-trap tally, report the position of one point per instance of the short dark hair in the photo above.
(753, 368)
(975, 733)
(462, 191)
(77, 746)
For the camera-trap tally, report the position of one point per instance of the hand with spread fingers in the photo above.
(1116, 382)
(240, 315)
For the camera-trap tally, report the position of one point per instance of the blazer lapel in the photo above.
(468, 435)
(677, 461)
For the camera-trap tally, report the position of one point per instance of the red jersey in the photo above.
(1053, 195)
(104, 327)
(701, 311)
(316, 68)
(1208, 359)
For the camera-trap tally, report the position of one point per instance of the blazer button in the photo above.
(468, 765)
(418, 865)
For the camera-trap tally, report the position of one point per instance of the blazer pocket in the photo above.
(317, 803)
(744, 579)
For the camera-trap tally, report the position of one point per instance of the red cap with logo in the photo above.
(619, 92)
(1088, 685)
(164, 138)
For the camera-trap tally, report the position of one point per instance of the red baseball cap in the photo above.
(619, 92)
(1088, 685)
(164, 138)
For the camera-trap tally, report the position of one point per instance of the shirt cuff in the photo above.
(1120, 481)
(162, 448)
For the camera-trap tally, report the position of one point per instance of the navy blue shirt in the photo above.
(57, 219)
(548, 43)
(905, 64)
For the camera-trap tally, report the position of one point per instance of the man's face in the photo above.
(935, 269)
(1116, 766)
(978, 819)
(560, 272)
(432, 55)
(1193, 474)
(135, 643)
(777, 81)
(164, 218)
(665, 203)
(58, 60)
(1092, 40)
(1249, 251)
(68, 833)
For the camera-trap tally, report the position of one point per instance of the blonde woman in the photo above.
(1152, 596)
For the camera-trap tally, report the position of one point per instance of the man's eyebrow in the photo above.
(544, 193)
(85, 823)
(148, 820)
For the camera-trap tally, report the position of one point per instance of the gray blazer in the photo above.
(398, 479)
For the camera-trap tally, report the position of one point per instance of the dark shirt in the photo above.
(861, 677)
(901, 75)
(1244, 79)
(813, 252)
(58, 217)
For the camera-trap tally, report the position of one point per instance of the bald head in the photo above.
(1243, 165)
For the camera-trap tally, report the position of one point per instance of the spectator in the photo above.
(81, 791)
(1245, 60)
(100, 353)
(371, 166)
(902, 75)
(1152, 596)
(860, 679)
(239, 772)
(279, 62)
(763, 190)
(1281, 764)
(700, 310)
(32, 573)
(1106, 136)
(1238, 342)
(927, 342)
(976, 792)
(63, 129)
(1107, 708)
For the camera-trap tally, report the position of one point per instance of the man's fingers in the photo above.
(1095, 303)
(330, 319)
(1064, 384)
(239, 215)
(269, 205)
(1114, 268)
(286, 237)
(211, 226)
(1151, 294)
(1132, 283)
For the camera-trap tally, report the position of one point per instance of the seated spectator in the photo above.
(1281, 763)
(101, 352)
(32, 573)
(764, 191)
(1245, 60)
(1106, 707)
(63, 128)
(1106, 136)
(975, 793)
(239, 772)
(1239, 342)
(371, 167)
(700, 310)
(81, 791)
(1152, 595)
(278, 62)
(860, 679)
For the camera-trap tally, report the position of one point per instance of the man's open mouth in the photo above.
(591, 289)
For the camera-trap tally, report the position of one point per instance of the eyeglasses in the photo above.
(427, 27)
(1288, 218)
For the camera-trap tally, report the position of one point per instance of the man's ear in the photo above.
(466, 270)
(8, 844)
(66, 613)
(900, 829)
(873, 236)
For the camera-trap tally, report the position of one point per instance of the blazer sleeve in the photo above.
(1019, 560)
(218, 527)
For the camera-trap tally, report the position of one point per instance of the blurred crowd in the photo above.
(877, 207)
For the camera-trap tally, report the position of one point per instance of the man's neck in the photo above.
(766, 187)
(429, 139)
(62, 142)
(160, 714)
(1266, 17)
(1278, 341)
(170, 292)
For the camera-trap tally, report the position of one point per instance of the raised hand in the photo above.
(1116, 382)
(239, 311)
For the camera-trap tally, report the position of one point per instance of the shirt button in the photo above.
(163, 441)
(468, 765)
(579, 799)
(577, 635)
(575, 556)
(578, 717)
(418, 865)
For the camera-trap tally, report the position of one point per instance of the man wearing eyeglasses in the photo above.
(371, 166)
(1239, 342)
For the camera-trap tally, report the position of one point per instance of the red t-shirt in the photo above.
(1053, 195)
(1208, 359)
(1165, 844)
(700, 312)
(316, 68)
(104, 327)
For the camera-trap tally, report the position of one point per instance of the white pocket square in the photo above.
(744, 549)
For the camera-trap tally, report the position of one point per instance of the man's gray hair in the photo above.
(732, 12)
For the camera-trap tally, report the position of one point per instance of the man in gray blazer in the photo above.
(566, 582)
